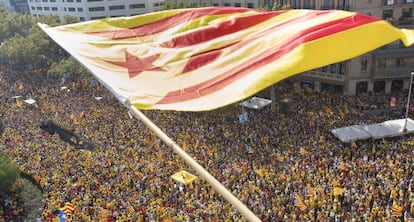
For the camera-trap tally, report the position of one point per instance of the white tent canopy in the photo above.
(255, 103)
(398, 124)
(390, 128)
(350, 133)
(380, 130)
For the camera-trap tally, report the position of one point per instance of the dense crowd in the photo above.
(288, 174)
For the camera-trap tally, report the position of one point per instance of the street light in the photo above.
(408, 102)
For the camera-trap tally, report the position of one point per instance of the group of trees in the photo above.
(23, 45)
(8, 172)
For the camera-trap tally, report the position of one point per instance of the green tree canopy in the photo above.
(8, 172)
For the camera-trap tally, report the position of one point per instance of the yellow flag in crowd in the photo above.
(334, 183)
(19, 103)
(341, 166)
(396, 211)
(185, 147)
(338, 191)
(311, 191)
(259, 172)
(280, 159)
(183, 177)
(131, 210)
(303, 151)
(299, 203)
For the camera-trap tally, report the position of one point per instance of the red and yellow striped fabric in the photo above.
(299, 203)
(204, 58)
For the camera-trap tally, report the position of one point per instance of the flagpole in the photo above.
(408, 103)
(250, 216)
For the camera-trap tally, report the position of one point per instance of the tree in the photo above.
(12, 24)
(69, 65)
(176, 5)
(29, 48)
(68, 19)
(8, 172)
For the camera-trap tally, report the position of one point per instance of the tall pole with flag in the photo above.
(408, 103)
(249, 215)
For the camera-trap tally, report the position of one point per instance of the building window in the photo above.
(404, 62)
(95, 0)
(250, 5)
(309, 4)
(54, 8)
(406, 14)
(52, 0)
(81, 19)
(295, 4)
(136, 6)
(388, 2)
(78, 0)
(215, 4)
(408, 1)
(361, 88)
(80, 9)
(387, 14)
(44, 0)
(96, 9)
(33, 8)
(226, 4)
(46, 8)
(379, 86)
(64, 9)
(71, 9)
(116, 7)
(364, 64)
(39, 8)
(342, 68)
(69, 0)
(237, 4)
(98, 17)
(386, 63)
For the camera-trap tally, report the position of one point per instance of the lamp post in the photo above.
(408, 102)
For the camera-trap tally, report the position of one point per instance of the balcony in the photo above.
(393, 72)
(406, 22)
(325, 76)
(338, 7)
(327, 7)
(394, 52)
(343, 7)
(388, 2)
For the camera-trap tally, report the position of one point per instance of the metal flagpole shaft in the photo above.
(408, 102)
(197, 167)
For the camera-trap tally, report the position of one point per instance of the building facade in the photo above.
(384, 70)
(92, 9)
(95, 9)
(19, 6)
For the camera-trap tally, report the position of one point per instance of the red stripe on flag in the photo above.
(201, 59)
(219, 82)
(164, 24)
(224, 28)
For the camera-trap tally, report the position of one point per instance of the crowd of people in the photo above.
(283, 166)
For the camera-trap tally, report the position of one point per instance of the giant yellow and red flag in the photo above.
(198, 59)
